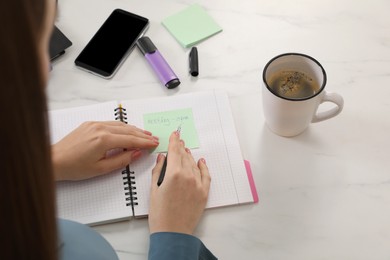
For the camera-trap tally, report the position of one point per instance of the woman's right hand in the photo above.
(178, 203)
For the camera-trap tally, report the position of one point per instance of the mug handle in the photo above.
(329, 97)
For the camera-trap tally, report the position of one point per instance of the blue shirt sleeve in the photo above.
(80, 242)
(168, 245)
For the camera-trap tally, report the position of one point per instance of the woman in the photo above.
(27, 200)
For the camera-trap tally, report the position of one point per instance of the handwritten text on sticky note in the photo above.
(162, 124)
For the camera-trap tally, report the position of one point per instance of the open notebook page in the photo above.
(218, 144)
(95, 200)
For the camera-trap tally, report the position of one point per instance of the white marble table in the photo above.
(324, 194)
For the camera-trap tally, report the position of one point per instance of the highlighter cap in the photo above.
(145, 45)
(173, 83)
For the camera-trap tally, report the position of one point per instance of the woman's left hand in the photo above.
(82, 154)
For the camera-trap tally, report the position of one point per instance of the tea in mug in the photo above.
(293, 84)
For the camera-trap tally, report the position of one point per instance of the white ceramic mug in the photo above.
(291, 116)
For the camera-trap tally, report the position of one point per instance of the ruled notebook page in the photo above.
(218, 144)
(97, 200)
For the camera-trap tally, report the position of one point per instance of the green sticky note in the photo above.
(162, 124)
(191, 25)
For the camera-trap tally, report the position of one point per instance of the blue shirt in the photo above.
(168, 245)
(78, 241)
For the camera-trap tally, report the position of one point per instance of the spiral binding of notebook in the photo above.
(128, 175)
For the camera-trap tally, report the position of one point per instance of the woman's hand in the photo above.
(178, 203)
(82, 154)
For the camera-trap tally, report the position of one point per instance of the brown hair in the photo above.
(28, 225)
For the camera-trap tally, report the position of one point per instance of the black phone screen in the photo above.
(118, 34)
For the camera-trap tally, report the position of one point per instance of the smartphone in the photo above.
(112, 43)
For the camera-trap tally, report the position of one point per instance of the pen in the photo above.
(194, 63)
(158, 63)
(164, 168)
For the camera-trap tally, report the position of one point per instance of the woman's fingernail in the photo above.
(177, 133)
(155, 137)
(159, 157)
(188, 150)
(203, 160)
(136, 154)
(147, 132)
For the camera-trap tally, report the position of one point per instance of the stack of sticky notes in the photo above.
(191, 25)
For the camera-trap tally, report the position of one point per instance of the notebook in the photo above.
(125, 193)
(58, 43)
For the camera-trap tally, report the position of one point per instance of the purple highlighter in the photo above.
(158, 63)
